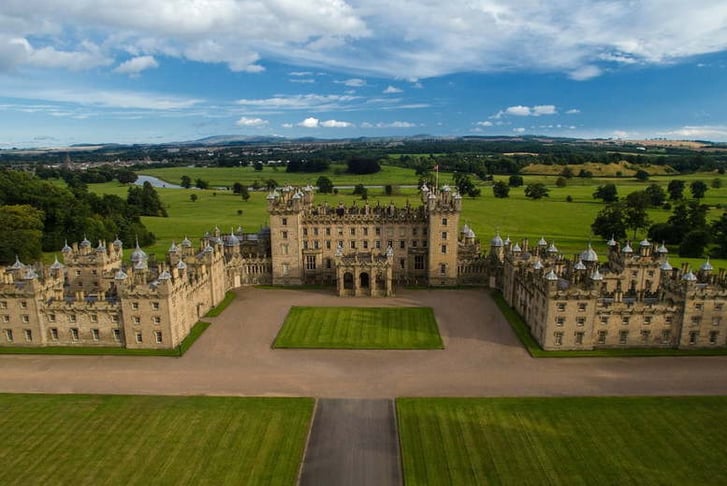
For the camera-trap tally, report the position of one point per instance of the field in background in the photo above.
(659, 440)
(82, 439)
(568, 224)
(359, 328)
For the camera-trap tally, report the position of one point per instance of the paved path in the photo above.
(353, 442)
(483, 357)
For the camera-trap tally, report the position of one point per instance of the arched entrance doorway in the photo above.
(348, 281)
(364, 280)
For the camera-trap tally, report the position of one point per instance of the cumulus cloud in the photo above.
(394, 124)
(353, 82)
(251, 122)
(18, 51)
(317, 102)
(484, 123)
(310, 122)
(573, 111)
(520, 110)
(518, 130)
(135, 65)
(313, 122)
(717, 133)
(392, 90)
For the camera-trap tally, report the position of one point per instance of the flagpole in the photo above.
(436, 183)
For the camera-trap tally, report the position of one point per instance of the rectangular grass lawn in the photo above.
(83, 439)
(360, 328)
(563, 440)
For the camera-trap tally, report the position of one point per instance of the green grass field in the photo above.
(81, 439)
(566, 223)
(521, 441)
(360, 328)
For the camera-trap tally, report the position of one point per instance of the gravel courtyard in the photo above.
(482, 357)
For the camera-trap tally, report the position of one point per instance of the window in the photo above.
(444, 235)
(328, 244)
(645, 334)
(158, 336)
(602, 337)
(328, 263)
(284, 268)
(443, 268)
(377, 244)
(95, 334)
(558, 338)
(114, 318)
(365, 244)
(699, 306)
(560, 306)
(713, 335)
(402, 244)
(74, 334)
(54, 333)
(377, 231)
(284, 235)
(668, 320)
(51, 318)
(402, 263)
(136, 320)
(623, 336)
(134, 305)
(579, 337)
(717, 306)
(310, 262)
(3, 304)
(72, 318)
(625, 320)
(94, 318)
(157, 320)
(581, 321)
(418, 262)
(559, 321)
(6, 318)
(716, 321)
(696, 320)
(444, 249)
(117, 335)
(414, 231)
(155, 305)
(305, 231)
(353, 231)
(284, 221)
(647, 320)
(139, 338)
(316, 244)
(9, 335)
(444, 221)
(284, 248)
(305, 245)
(693, 337)
(665, 337)
(413, 243)
(315, 231)
(28, 335)
(25, 318)
(581, 307)
(604, 320)
(353, 244)
(339, 230)
(23, 304)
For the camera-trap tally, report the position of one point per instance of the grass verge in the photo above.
(360, 328)
(612, 440)
(82, 439)
(217, 310)
(182, 348)
(523, 333)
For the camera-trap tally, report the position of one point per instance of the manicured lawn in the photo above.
(360, 328)
(217, 310)
(566, 441)
(81, 439)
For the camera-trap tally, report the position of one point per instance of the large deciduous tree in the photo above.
(22, 233)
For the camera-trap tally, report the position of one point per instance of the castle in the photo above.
(95, 298)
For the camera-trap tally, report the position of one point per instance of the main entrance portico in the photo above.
(364, 274)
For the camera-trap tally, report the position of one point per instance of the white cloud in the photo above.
(310, 122)
(392, 90)
(251, 122)
(620, 134)
(518, 130)
(520, 110)
(353, 82)
(397, 38)
(484, 123)
(335, 124)
(300, 73)
(539, 110)
(299, 102)
(136, 65)
(287, 125)
(573, 111)
(717, 133)
(396, 124)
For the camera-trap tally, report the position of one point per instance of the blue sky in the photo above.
(132, 71)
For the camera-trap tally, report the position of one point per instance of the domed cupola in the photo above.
(689, 277)
(579, 265)
(589, 255)
(118, 244)
(516, 248)
(120, 275)
(138, 255)
(706, 266)
(18, 265)
(611, 242)
(85, 243)
(186, 243)
(173, 248)
(497, 241)
(542, 242)
(66, 248)
(645, 242)
(232, 240)
(101, 248)
(596, 275)
(661, 250)
(56, 265)
(508, 241)
(165, 275)
(551, 276)
(30, 274)
(666, 266)
(538, 265)
(627, 248)
(552, 249)
(181, 265)
(208, 249)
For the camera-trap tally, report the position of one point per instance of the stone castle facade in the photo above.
(96, 298)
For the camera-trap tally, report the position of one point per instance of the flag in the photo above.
(436, 167)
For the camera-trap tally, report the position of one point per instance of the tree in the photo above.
(358, 189)
(657, 195)
(536, 191)
(201, 184)
(258, 166)
(391, 189)
(610, 221)
(675, 189)
(635, 214)
(500, 189)
(515, 181)
(567, 172)
(716, 183)
(607, 192)
(22, 233)
(325, 185)
(465, 185)
(126, 176)
(193, 197)
(698, 189)
(244, 193)
(363, 165)
(642, 175)
(271, 184)
(694, 243)
(561, 182)
(237, 188)
(719, 229)
(186, 182)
